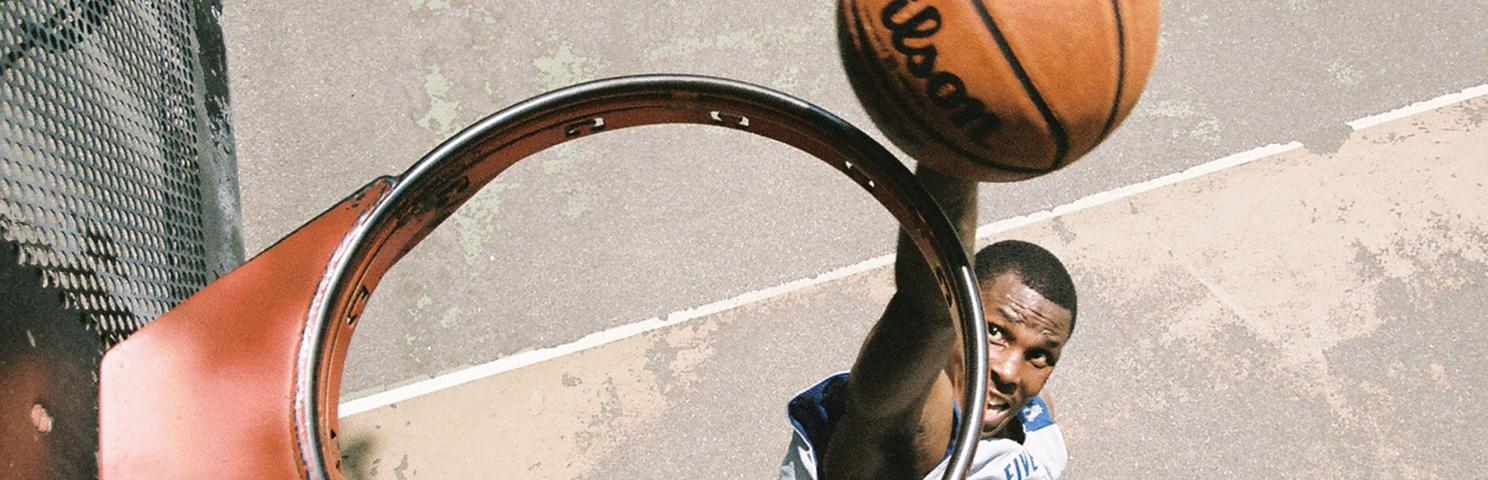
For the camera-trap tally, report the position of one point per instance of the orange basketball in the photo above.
(998, 90)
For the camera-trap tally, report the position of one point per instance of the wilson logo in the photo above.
(945, 89)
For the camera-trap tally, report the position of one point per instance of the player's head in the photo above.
(1030, 306)
(1034, 266)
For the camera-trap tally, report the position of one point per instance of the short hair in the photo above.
(1036, 267)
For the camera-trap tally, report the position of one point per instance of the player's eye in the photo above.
(995, 335)
(1041, 359)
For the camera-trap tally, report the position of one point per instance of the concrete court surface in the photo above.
(1306, 315)
(637, 224)
(1201, 342)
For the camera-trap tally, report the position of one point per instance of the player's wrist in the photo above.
(957, 197)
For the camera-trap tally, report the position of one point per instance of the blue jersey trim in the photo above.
(815, 411)
(1035, 415)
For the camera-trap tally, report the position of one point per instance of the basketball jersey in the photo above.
(814, 413)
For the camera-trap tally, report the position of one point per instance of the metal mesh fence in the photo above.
(102, 119)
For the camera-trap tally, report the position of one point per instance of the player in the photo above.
(893, 415)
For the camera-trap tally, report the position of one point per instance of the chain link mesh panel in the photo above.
(102, 116)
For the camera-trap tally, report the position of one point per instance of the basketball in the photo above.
(998, 90)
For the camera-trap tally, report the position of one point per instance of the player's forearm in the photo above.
(958, 199)
(908, 348)
(957, 196)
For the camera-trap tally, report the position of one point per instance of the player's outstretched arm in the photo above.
(908, 347)
(900, 400)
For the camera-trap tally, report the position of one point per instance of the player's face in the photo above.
(1025, 333)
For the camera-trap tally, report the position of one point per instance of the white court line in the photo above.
(1109, 196)
(531, 357)
(513, 362)
(1418, 107)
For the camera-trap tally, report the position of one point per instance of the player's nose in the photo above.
(1003, 372)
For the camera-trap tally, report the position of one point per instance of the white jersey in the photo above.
(1042, 456)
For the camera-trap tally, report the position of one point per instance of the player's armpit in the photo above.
(936, 425)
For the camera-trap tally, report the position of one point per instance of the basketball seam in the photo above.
(1056, 129)
(1120, 69)
(879, 91)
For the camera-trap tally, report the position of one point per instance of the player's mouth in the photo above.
(996, 414)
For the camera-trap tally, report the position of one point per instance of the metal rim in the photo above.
(426, 194)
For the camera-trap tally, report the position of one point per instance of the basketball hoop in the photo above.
(243, 379)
